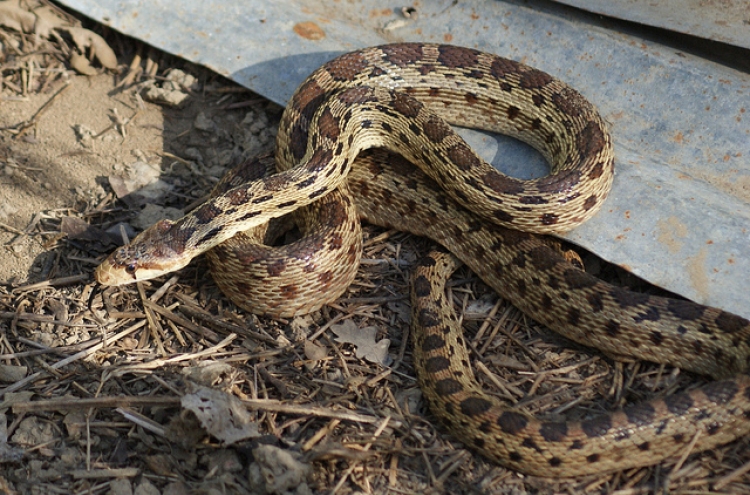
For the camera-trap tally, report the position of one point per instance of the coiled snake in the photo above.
(399, 97)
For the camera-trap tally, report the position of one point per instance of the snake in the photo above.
(347, 147)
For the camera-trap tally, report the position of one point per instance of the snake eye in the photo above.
(130, 268)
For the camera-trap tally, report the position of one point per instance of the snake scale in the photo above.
(335, 162)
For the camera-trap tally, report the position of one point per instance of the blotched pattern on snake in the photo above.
(399, 97)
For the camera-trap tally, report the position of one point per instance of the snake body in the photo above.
(396, 96)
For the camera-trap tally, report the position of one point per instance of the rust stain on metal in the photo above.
(309, 30)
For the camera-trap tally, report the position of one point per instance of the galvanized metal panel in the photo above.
(719, 20)
(679, 212)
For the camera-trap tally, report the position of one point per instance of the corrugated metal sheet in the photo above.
(727, 21)
(679, 213)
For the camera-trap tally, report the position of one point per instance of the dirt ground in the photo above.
(169, 388)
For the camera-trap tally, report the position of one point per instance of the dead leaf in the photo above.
(277, 471)
(315, 352)
(222, 415)
(83, 38)
(16, 18)
(364, 341)
(81, 64)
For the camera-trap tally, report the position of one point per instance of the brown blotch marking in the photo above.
(713, 428)
(512, 422)
(403, 54)
(730, 323)
(538, 99)
(474, 406)
(590, 202)
(685, 310)
(521, 287)
(698, 347)
(456, 57)
(436, 129)
(529, 443)
(576, 445)
(425, 69)
(721, 392)
(612, 328)
(550, 219)
(532, 200)
(640, 414)
(288, 291)
(478, 443)
(406, 105)
(596, 171)
(386, 127)
(501, 67)
(592, 458)
(208, 236)
(463, 156)
(276, 268)
(503, 216)
(554, 431)
(543, 258)
(570, 101)
(336, 241)
(512, 237)
(427, 261)
(519, 260)
(422, 286)
(317, 193)
(437, 364)
(357, 95)
(574, 316)
(563, 181)
(626, 298)
(534, 79)
(656, 337)
(261, 199)
(318, 161)
(679, 404)
(206, 213)
(555, 461)
(275, 182)
(513, 112)
(328, 125)
(427, 318)
(432, 343)
(591, 140)
(597, 427)
(502, 183)
(651, 314)
(471, 98)
(346, 67)
(448, 386)
(546, 302)
(578, 279)
(325, 278)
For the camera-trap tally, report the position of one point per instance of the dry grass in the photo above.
(93, 393)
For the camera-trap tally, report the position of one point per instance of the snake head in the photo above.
(151, 254)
